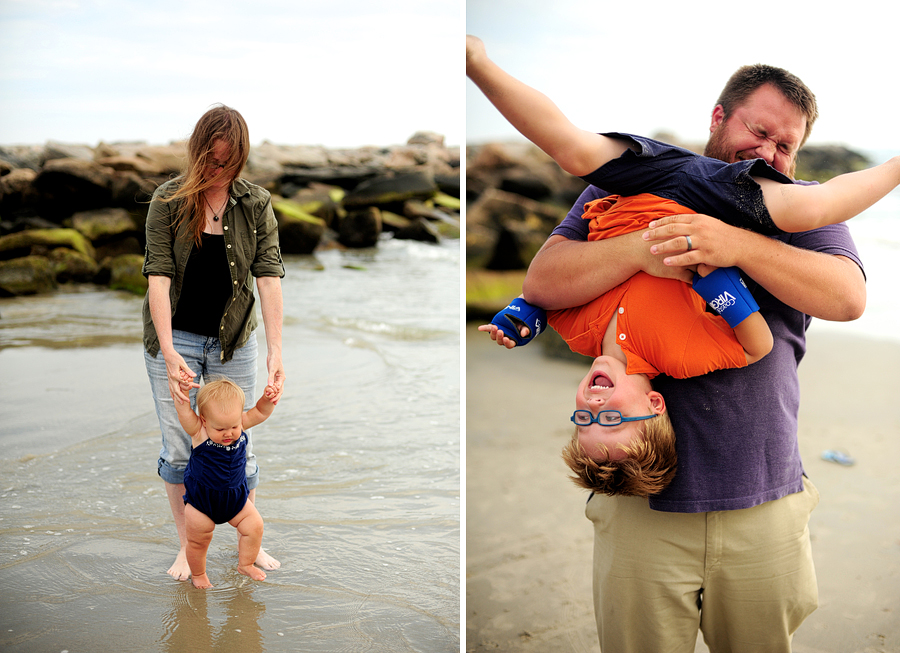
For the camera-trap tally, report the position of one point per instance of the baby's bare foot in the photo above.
(180, 569)
(201, 582)
(266, 561)
(253, 572)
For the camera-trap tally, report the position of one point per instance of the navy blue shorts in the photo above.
(219, 504)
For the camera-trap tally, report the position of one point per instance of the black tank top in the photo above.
(206, 289)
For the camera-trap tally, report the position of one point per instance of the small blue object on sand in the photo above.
(837, 457)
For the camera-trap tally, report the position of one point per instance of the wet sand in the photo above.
(528, 544)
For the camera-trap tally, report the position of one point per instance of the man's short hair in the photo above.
(749, 78)
(648, 468)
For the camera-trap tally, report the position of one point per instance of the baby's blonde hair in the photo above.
(224, 392)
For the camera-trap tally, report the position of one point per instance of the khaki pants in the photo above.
(745, 578)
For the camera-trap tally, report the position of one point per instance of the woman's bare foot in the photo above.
(201, 582)
(180, 569)
(253, 572)
(266, 561)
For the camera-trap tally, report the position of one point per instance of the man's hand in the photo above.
(713, 244)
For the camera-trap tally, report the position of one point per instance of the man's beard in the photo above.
(719, 147)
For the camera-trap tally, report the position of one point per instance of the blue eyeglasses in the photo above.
(604, 418)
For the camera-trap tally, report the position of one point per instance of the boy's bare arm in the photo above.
(262, 410)
(796, 207)
(754, 336)
(577, 151)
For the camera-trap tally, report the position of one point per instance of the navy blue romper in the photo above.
(215, 480)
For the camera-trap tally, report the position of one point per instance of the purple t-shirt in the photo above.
(736, 429)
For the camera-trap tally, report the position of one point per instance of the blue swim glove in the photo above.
(727, 295)
(520, 313)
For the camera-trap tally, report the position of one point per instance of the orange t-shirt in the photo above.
(662, 324)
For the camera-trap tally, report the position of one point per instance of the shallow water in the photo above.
(359, 463)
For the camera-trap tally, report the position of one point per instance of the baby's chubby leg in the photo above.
(249, 525)
(199, 530)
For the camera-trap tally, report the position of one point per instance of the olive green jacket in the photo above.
(251, 244)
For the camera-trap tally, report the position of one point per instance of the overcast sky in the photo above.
(344, 73)
(340, 73)
(658, 65)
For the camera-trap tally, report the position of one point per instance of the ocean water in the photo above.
(360, 480)
(877, 238)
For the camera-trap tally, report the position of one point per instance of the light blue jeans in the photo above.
(203, 356)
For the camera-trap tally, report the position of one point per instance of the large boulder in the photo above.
(360, 228)
(392, 190)
(58, 150)
(103, 225)
(33, 241)
(418, 229)
(299, 232)
(72, 266)
(822, 162)
(132, 191)
(320, 201)
(443, 222)
(125, 273)
(28, 275)
(512, 229)
(17, 191)
(69, 185)
(144, 159)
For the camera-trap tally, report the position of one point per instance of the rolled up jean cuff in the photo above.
(176, 476)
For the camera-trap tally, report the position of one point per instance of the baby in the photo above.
(215, 480)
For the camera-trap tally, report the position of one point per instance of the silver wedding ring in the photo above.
(690, 245)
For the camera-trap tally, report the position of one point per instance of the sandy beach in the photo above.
(528, 544)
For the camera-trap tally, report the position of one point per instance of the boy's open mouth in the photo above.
(601, 382)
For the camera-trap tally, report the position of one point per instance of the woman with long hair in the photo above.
(209, 234)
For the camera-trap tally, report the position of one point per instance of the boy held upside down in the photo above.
(624, 442)
(652, 180)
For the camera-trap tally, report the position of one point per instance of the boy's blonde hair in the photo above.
(224, 392)
(649, 467)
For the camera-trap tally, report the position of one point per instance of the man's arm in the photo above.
(822, 285)
(567, 273)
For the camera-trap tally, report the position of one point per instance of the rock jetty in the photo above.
(75, 213)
